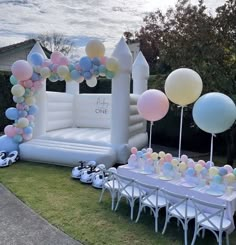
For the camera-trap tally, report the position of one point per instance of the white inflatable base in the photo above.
(65, 153)
(68, 146)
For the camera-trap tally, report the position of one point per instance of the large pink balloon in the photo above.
(22, 70)
(153, 105)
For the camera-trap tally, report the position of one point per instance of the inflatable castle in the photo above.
(72, 126)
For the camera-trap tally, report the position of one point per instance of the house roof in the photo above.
(27, 43)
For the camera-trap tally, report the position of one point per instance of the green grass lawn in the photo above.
(74, 208)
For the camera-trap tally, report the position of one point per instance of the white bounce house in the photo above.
(70, 126)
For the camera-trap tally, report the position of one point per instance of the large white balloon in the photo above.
(214, 112)
(183, 86)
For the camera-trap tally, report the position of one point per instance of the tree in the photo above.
(188, 36)
(55, 42)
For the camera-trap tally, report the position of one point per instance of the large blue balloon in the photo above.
(85, 63)
(12, 113)
(8, 144)
(36, 59)
(214, 112)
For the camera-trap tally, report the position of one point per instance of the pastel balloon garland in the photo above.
(28, 77)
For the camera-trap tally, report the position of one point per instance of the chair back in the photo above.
(126, 186)
(174, 201)
(109, 178)
(206, 211)
(147, 192)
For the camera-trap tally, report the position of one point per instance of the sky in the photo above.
(78, 20)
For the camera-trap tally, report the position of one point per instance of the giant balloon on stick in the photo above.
(183, 86)
(153, 105)
(214, 113)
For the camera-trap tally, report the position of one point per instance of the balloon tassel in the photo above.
(211, 152)
(180, 130)
(150, 135)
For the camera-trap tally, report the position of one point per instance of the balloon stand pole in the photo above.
(150, 135)
(211, 152)
(180, 130)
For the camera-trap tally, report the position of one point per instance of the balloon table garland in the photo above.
(183, 86)
(28, 77)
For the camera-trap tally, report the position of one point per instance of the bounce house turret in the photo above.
(41, 101)
(121, 97)
(140, 74)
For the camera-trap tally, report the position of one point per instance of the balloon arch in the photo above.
(28, 77)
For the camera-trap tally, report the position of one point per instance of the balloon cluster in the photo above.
(167, 164)
(28, 77)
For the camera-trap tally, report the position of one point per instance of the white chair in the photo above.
(210, 216)
(127, 190)
(178, 206)
(110, 183)
(149, 196)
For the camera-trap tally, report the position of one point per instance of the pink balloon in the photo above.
(30, 118)
(153, 105)
(228, 168)
(202, 162)
(27, 136)
(22, 70)
(184, 158)
(63, 61)
(46, 63)
(10, 131)
(133, 157)
(28, 83)
(56, 56)
(168, 157)
(103, 60)
(133, 150)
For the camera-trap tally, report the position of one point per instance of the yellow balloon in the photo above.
(198, 167)
(95, 48)
(30, 100)
(175, 162)
(18, 90)
(63, 71)
(213, 171)
(183, 86)
(162, 154)
(182, 166)
(45, 72)
(154, 156)
(22, 122)
(112, 64)
(230, 178)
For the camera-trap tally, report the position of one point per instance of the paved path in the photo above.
(20, 225)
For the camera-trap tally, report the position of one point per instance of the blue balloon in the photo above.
(96, 61)
(214, 112)
(13, 80)
(217, 179)
(222, 171)
(18, 99)
(85, 63)
(87, 75)
(33, 109)
(139, 153)
(102, 69)
(28, 130)
(8, 144)
(75, 75)
(22, 113)
(209, 164)
(12, 113)
(167, 166)
(204, 171)
(36, 59)
(36, 77)
(18, 138)
(190, 172)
